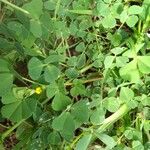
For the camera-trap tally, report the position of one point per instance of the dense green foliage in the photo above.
(75, 74)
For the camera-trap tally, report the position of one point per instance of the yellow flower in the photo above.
(38, 90)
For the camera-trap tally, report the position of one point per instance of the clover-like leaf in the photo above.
(6, 83)
(60, 101)
(130, 72)
(35, 67)
(144, 64)
(51, 73)
(18, 109)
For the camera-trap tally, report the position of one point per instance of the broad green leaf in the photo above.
(144, 64)
(64, 124)
(118, 50)
(50, 4)
(51, 90)
(97, 116)
(145, 100)
(103, 9)
(116, 9)
(126, 94)
(121, 61)
(112, 104)
(4, 66)
(80, 47)
(6, 83)
(109, 61)
(35, 28)
(35, 67)
(107, 140)
(135, 9)
(78, 88)
(132, 20)
(83, 143)
(80, 111)
(34, 8)
(8, 98)
(109, 22)
(54, 58)
(71, 73)
(137, 145)
(130, 72)
(54, 138)
(69, 127)
(60, 101)
(81, 60)
(58, 122)
(124, 16)
(128, 134)
(19, 109)
(51, 73)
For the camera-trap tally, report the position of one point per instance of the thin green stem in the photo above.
(86, 68)
(57, 8)
(86, 81)
(113, 118)
(105, 124)
(15, 7)
(9, 131)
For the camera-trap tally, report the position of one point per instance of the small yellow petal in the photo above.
(38, 90)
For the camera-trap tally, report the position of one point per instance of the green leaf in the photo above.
(60, 101)
(83, 143)
(118, 50)
(135, 9)
(112, 104)
(121, 61)
(132, 20)
(109, 61)
(64, 124)
(144, 64)
(54, 138)
(109, 22)
(80, 111)
(35, 67)
(124, 16)
(78, 89)
(4, 66)
(126, 94)
(35, 28)
(137, 145)
(71, 73)
(51, 73)
(34, 11)
(103, 9)
(51, 90)
(50, 5)
(81, 60)
(19, 109)
(80, 47)
(69, 127)
(130, 72)
(6, 82)
(97, 116)
(107, 140)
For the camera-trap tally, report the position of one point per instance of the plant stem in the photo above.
(8, 132)
(86, 81)
(57, 8)
(113, 118)
(15, 7)
(105, 124)
(86, 68)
